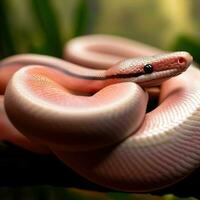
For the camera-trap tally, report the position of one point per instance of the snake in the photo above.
(90, 110)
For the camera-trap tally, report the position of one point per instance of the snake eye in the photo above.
(148, 68)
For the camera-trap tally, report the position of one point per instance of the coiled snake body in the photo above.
(94, 119)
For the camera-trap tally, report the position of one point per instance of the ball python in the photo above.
(90, 111)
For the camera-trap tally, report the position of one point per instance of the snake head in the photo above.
(151, 70)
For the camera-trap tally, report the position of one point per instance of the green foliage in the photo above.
(46, 18)
(58, 193)
(6, 40)
(187, 43)
(85, 17)
(48, 31)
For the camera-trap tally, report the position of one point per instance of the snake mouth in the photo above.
(155, 78)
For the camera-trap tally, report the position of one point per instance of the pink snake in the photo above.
(95, 120)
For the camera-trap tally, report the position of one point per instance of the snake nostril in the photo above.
(181, 60)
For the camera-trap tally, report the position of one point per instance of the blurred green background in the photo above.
(44, 26)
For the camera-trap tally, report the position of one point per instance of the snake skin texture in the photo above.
(95, 119)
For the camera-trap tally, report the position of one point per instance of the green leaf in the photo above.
(6, 41)
(85, 17)
(187, 43)
(45, 14)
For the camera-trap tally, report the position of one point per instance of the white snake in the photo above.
(98, 125)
